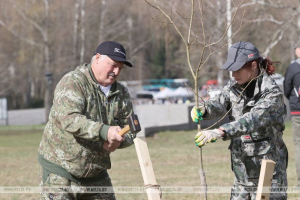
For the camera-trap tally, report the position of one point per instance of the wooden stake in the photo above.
(146, 168)
(265, 179)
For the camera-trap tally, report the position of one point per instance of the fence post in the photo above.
(152, 189)
(265, 179)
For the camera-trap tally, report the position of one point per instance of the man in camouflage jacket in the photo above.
(83, 125)
(256, 113)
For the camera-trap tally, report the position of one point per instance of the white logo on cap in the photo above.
(119, 51)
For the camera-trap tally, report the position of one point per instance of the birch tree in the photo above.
(75, 32)
(42, 29)
(82, 32)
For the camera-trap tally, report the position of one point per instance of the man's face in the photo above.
(106, 70)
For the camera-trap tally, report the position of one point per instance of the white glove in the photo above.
(207, 136)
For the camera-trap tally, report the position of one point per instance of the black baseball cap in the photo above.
(113, 50)
(239, 54)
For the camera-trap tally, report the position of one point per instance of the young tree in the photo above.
(197, 38)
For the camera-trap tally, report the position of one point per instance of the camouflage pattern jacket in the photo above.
(78, 123)
(255, 127)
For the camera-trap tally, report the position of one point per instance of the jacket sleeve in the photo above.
(68, 109)
(126, 111)
(288, 82)
(269, 110)
(219, 106)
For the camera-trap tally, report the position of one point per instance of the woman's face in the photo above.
(246, 73)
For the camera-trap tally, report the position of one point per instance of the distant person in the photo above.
(89, 109)
(256, 113)
(292, 92)
(187, 101)
(180, 101)
(167, 101)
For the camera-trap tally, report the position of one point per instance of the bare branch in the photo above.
(228, 25)
(180, 34)
(22, 14)
(253, 2)
(262, 72)
(155, 19)
(276, 38)
(168, 17)
(151, 5)
(191, 22)
(201, 64)
(240, 27)
(196, 94)
(181, 15)
(270, 19)
(172, 9)
(204, 39)
(135, 50)
(274, 41)
(19, 36)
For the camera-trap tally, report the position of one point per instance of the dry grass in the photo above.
(174, 157)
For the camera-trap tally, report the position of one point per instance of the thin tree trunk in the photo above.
(298, 21)
(129, 36)
(82, 17)
(75, 32)
(48, 74)
(229, 32)
(102, 18)
(219, 61)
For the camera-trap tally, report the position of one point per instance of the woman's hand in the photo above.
(197, 113)
(204, 137)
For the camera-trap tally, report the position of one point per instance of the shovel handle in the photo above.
(124, 130)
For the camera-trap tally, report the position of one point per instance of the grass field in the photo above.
(174, 157)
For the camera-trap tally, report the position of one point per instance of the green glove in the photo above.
(197, 113)
(204, 137)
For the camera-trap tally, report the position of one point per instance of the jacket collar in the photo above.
(258, 90)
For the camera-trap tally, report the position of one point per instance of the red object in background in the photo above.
(212, 82)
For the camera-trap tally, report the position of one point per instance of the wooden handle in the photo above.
(124, 130)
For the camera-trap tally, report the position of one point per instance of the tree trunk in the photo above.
(82, 48)
(229, 32)
(102, 18)
(75, 33)
(220, 60)
(129, 38)
(48, 74)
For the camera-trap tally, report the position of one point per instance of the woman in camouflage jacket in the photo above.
(256, 110)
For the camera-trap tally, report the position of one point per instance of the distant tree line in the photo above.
(42, 37)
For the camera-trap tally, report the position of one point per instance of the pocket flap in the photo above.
(256, 148)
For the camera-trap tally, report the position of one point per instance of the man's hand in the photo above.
(113, 138)
(204, 137)
(197, 113)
